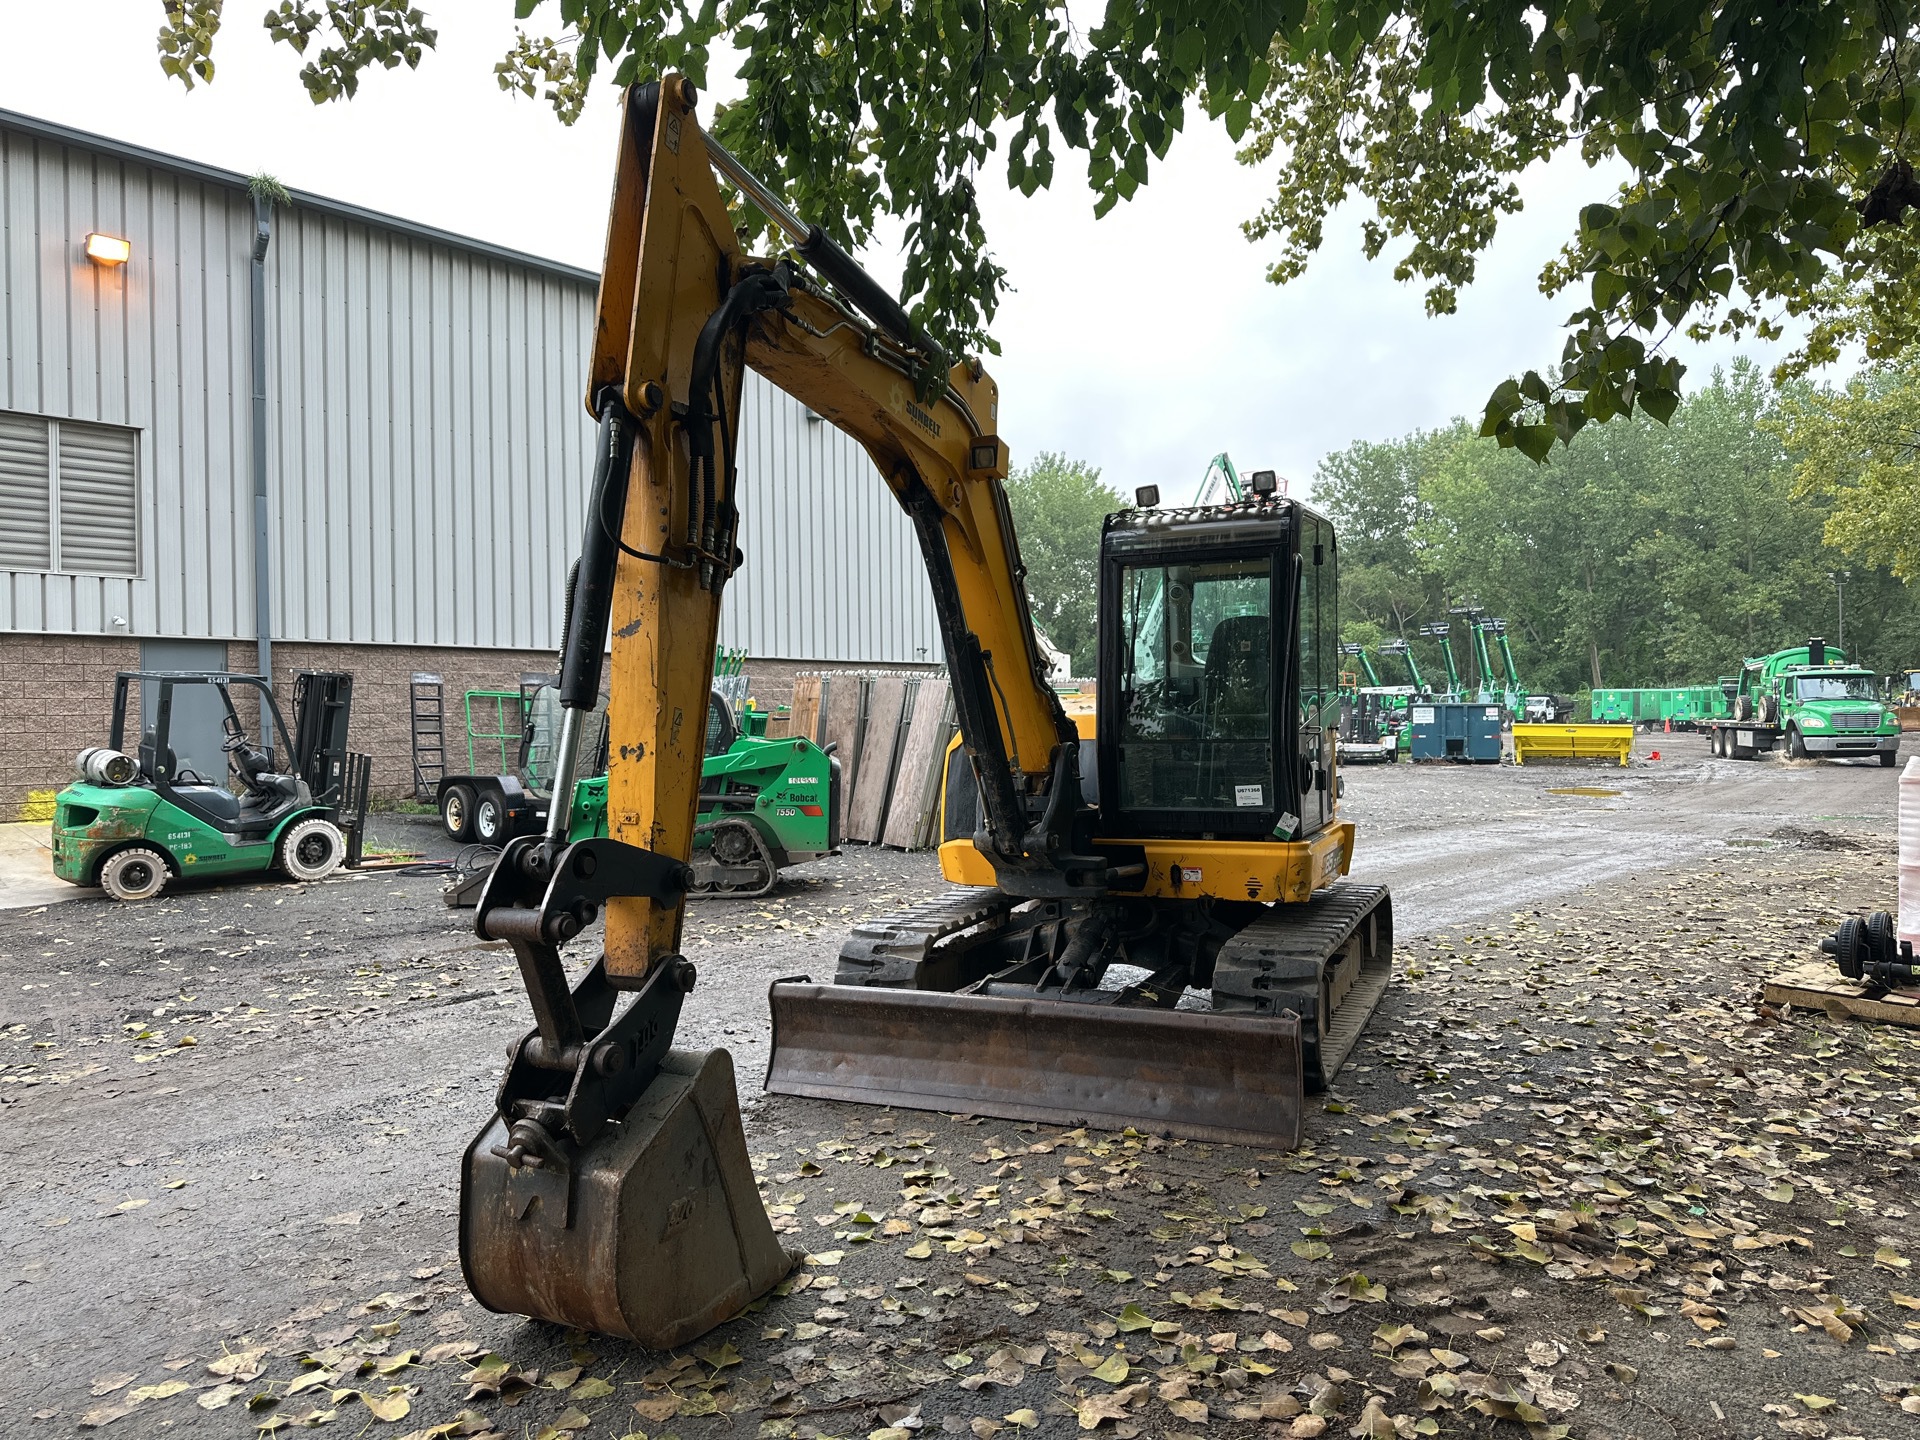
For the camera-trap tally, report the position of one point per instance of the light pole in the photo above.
(1840, 578)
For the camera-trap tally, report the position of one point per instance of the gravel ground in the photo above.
(1575, 1175)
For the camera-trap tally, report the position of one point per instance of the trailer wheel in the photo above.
(1796, 744)
(137, 873)
(456, 812)
(312, 849)
(490, 818)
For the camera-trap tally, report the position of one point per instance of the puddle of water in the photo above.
(1597, 794)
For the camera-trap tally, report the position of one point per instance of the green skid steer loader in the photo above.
(765, 804)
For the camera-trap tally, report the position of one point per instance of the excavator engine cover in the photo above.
(654, 1231)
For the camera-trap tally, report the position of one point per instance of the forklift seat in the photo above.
(150, 756)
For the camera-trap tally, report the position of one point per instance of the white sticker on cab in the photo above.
(1255, 795)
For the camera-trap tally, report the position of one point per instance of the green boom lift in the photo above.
(1405, 652)
(1516, 697)
(1484, 692)
(1359, 652)
(1442, 631)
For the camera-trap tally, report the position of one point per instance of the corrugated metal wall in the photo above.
(429, 446)
(833, 570)
(158, 344)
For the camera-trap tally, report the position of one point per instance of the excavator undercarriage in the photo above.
(1093, 1014)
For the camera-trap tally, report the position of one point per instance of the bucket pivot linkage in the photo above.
(611, 1188)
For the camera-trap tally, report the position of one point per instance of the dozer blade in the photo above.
(1206, 1076)
(656, 1231)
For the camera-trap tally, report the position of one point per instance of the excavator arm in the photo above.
(611, 1188)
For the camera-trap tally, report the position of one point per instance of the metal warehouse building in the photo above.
(423, 459)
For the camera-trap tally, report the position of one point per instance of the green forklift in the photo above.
(765, 803)
(134, 821)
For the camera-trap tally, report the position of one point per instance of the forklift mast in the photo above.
(322, 709)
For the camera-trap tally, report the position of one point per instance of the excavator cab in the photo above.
(1219, 723)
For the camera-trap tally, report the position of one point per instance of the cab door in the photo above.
(1319, 632)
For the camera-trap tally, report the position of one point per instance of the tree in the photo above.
(1371, 492)
(1058, 506)
(1859, 449)
(1641, 554)
(1760, 140)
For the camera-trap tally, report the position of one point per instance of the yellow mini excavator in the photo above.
(1148, 924)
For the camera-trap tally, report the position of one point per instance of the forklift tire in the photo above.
(134, 874)
(312, 849)
(490, 818)
(456, 812)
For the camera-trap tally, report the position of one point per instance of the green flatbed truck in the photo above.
(1806, 702)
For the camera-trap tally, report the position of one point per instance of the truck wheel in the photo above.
(1889, 758)
(490, 818)
(1796, 746)
(312, 849)
(456, 812)
(134, 874)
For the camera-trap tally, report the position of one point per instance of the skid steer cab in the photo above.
(137, 819)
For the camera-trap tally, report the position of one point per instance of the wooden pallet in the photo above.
(1818, 986)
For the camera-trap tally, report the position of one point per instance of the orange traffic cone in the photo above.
(1669, 727)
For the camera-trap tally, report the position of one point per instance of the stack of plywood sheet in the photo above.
(914, 813)
(889, 732)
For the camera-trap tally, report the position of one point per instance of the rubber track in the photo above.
(1276, 963)
(888, 949)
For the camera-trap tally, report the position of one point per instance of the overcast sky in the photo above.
(1144, 342)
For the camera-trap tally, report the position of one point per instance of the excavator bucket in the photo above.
(1207, 1076)
(655, 1231)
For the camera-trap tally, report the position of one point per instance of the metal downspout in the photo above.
(262, 556)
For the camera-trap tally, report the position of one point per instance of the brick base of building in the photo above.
(56, 699)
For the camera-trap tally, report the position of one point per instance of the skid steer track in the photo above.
(1292, 992)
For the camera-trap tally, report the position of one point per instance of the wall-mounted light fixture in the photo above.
(108, 249)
